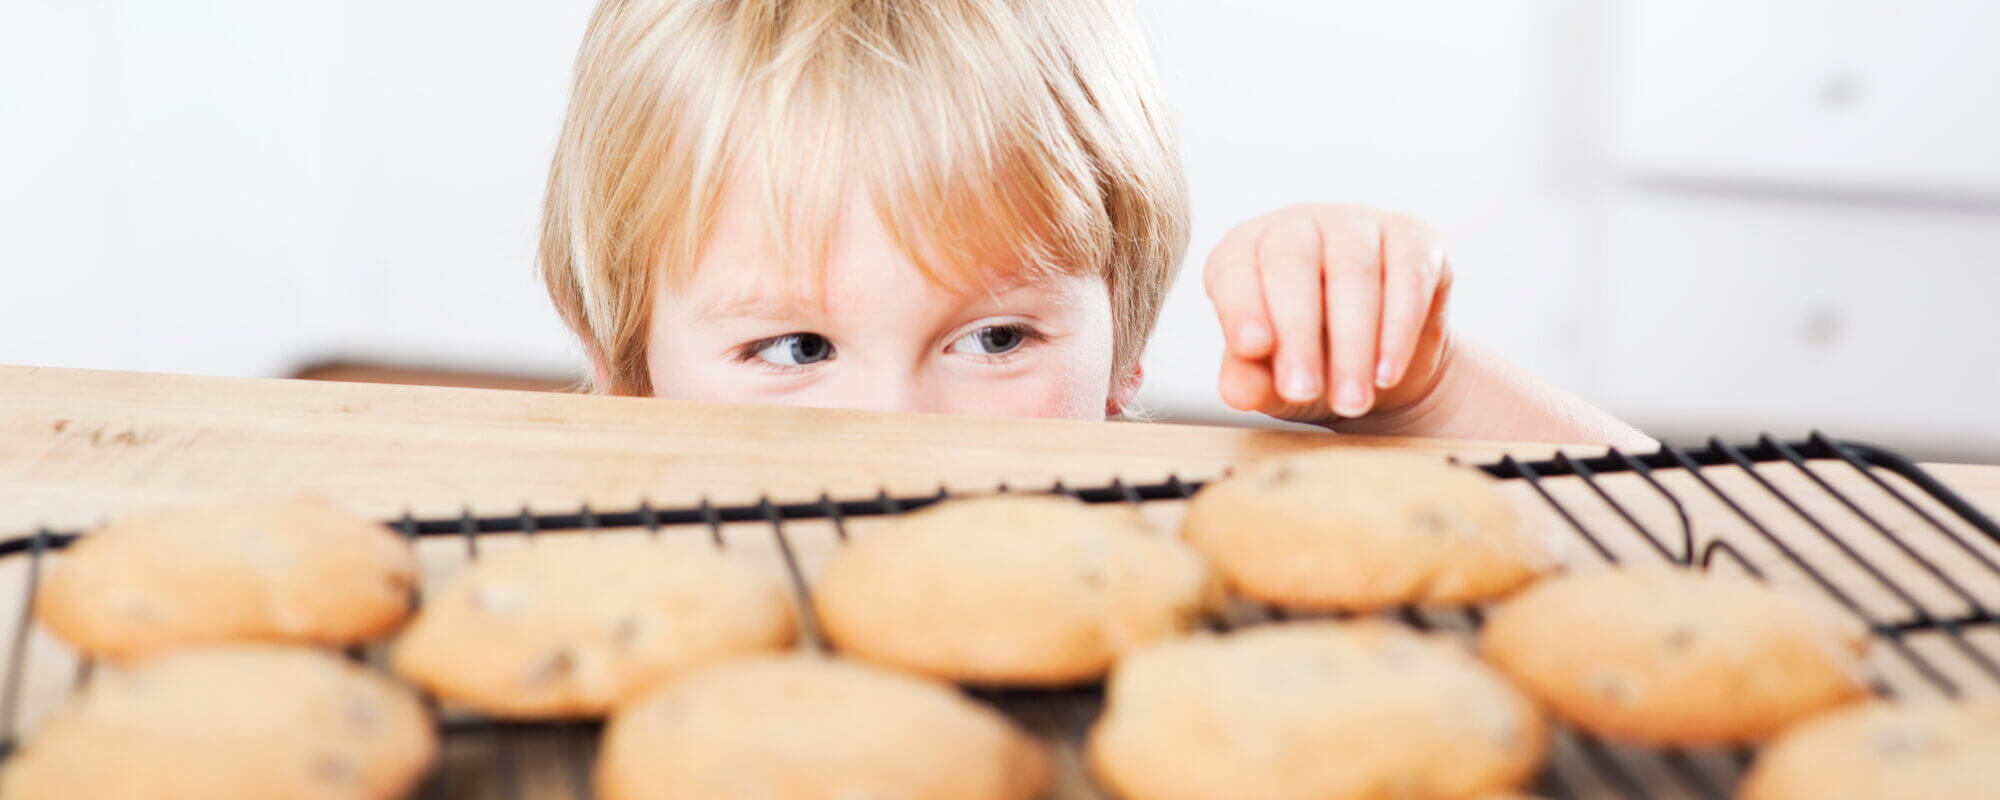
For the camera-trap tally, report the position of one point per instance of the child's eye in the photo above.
(995, 340)
(789, 350)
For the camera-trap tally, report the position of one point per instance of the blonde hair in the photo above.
(1035, 126)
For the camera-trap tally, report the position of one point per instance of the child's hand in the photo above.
(1330, 311)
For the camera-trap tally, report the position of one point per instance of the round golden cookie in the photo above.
(293, 570)
(1312, 711)
(1877, 751)
(230, 722)
(1011, 590)
(568, 626)
(1674, 657)
(1360, 529)
(812, 728)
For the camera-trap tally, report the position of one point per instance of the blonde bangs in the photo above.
(904, 108)
(998, 141)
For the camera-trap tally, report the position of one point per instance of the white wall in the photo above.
(1706, 215)
(239, 187)
(1460, 112)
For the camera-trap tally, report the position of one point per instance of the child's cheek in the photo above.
(1058, 401)
(1058, 390)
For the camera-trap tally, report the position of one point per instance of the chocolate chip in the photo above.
(1428, 520)
(1394, 659)
(360, 711)
(139, 682)
(335, 770)
(625, 632)
(1610, 687)
(1289, 675)
(1899, 742)
(1189, 616)
(1680, 638)
(550, 668)
(1096, 556)
(1396, 654)
(1409, 786)
(400, 581)
(1278, 475)
(1438, 520)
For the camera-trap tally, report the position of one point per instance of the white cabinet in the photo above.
(1881, 97)
(1744, 313)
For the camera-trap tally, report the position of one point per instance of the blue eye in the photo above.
(998, 340)
(792, 349)
(995, 340)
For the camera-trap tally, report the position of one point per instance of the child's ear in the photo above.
(1124, 390)
(600, 376)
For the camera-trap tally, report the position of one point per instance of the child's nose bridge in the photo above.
(900, 394)
(887, 388)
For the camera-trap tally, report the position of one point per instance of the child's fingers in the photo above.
(1413, 265)
(1232, 283)
(1288, 257)
(1246, 384)
(1352, 255)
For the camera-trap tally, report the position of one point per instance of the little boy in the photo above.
(968, 206)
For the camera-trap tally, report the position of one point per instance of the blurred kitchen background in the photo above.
(1713, 216)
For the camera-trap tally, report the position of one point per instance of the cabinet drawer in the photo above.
(1878, 96)
(1784, 314)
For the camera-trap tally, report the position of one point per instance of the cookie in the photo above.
(1674, 657)
(570, 625)
(812, 728)
(1312, 711)
(292, 570)
(1011, 590)
(227, 722)
(1354, 529)
(1882, 752)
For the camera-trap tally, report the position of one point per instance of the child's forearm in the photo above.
(1480, 395)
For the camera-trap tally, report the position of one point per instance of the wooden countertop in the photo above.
(78, 446)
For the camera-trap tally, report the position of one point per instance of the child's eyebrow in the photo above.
(786, 306)
(755, 306)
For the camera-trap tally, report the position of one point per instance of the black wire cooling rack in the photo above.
(1863, 526)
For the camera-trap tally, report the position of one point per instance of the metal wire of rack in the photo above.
(1847, 510)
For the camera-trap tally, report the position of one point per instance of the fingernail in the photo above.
(1251, 335)
(1351, 400)
(1385, 374)
(1301, 384)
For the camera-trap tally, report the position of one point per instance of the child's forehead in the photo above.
(843, 286)
(757, 259)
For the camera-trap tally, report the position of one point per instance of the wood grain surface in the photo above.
(78, 446)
